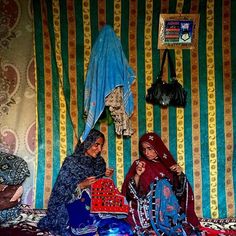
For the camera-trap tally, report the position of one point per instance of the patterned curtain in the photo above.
(200, 136)
(17, 86)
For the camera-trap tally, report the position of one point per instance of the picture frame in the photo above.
(178, 31)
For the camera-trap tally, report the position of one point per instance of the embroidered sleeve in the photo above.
(132, 192)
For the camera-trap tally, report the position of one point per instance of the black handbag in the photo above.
(163, 93)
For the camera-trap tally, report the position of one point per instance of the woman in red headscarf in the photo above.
(159, 194)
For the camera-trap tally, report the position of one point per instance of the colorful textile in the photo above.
(83, 222)
(13, 169)
(164, 210)
(9, 214)
(106, 198)
(108, 68)
(75, 169)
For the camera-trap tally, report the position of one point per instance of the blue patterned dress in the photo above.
(75, 169)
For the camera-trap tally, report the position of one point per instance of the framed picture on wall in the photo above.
(178, 31)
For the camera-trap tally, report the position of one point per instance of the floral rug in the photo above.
(26, 225)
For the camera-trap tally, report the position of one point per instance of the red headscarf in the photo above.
(157, 144)
(154, 168)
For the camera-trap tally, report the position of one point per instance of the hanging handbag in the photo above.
(163, 93)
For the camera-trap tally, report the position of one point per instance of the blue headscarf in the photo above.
(108, 68)
(81, 147)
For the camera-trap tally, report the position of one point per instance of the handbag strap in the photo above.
(170, 62)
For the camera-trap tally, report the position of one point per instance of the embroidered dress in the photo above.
(140, 197)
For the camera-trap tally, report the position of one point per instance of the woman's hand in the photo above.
(140, 168)
(176, 168)
(109, 172)
(87, 182)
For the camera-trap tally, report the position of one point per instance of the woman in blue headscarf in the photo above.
(68, 206)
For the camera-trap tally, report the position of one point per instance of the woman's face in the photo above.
(148, 151)
(96, 148)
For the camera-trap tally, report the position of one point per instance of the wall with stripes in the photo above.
(201, 136)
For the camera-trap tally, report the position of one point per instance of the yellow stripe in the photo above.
(36, 122)
(87, 34)
(226, 22)
(211, 109)
(148, 61)
(72, 68)
(196, 148)
(180, 111)
(133, 64)
(48, 110)
(179, 6)
(56, 26)
(119, 139)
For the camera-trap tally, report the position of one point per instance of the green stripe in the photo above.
(172, 110)
(204, 111)
(111, 128)
(39, 50)
(233, 76)
(186, 6)
(156, 61)
(94, 20)
(110, 12)
(66, 83)
(125, 27)
(220, 131)
(112, 150)
(80, 63)
(172, 6)
(188, 145)
(56, 124)
(141, 67)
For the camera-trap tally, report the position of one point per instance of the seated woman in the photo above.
(68, 210)
(159, 194)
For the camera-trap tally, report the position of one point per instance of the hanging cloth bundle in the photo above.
(108, 70)
(163, 93)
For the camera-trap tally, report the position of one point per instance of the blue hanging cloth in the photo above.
(108, 69)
